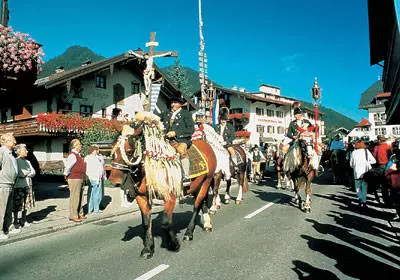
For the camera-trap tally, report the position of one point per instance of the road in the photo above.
(279, 241)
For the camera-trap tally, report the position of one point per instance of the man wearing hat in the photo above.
(227, 134)
(296, 127)
(383, 151)
(179, 127)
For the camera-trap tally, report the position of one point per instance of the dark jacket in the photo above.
(295, 130)
(183, 125)
(229, 133)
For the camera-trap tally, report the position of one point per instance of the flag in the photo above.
(215, 112)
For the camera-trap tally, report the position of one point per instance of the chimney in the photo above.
(60, 69)
(234, 87)
(242, 89)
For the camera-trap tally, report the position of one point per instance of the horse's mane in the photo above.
(212, 137)
(293, 159)
(161, 162)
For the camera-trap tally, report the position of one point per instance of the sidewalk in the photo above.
(50, 213)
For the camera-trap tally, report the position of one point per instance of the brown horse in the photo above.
(129, 172)
(241, 177)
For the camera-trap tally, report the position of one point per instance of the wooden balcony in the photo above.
(20, 128)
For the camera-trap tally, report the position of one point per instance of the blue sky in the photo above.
(282, 43)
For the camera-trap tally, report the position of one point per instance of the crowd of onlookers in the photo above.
(373, 165)
(17, 196)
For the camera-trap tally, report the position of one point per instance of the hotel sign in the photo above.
(271, 120)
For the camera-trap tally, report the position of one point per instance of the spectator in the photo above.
(383, 151)
(8, 174)
(361, 161)
(103, 178)
(23, 187)
(95, 173)
(337, 144)
(257, 158)
(75, 171)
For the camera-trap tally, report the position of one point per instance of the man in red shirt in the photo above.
(382, 151)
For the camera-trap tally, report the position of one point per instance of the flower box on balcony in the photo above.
(242, 134)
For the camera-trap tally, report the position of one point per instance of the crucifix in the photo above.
(148, 72)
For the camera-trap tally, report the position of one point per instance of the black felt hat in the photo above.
(297, 110)
(176, 99)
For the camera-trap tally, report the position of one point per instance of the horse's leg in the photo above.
(227, 198)
(148, 240)
(279, 179)
(216, 203)
(307, 204)
(205, 183)
(206, 216)
(169, 206)
(239, 197)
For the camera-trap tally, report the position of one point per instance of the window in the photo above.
(384, 131)
(279, 114)
(270, 113)
(281, 130)
(237, 111)
(259, 111)
(119, 94)
(260, 129)
(271, 129)
(86, 110)
(100, 81)
(383, 116)
(396, 130)
(65, 108)
(104, 113)
(135, 88)
(376, 117)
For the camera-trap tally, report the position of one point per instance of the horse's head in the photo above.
(306, 142)
(127, 155)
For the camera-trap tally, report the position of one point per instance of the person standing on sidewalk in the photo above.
(23, 186)
(361, 161)
(95, 172)
(8, 175)
(75, 172)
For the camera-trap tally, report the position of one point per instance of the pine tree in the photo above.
(180, 80)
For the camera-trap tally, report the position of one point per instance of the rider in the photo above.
(337, 144)
(296, 127)
(179, 127)
(227, 134)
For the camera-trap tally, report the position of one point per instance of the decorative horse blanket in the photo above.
(198, 163)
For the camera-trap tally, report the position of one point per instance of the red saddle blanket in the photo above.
(198, 163)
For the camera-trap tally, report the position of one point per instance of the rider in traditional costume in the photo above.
(296, 127)
(227, 134)
(179, 127)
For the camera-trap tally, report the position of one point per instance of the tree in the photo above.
(179, 79)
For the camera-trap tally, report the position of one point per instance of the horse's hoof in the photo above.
(212, 212)
(208, 229)
(218, 206)
(238, 201)
(227, 201)
(174, 246)
(187, 237)
(145, 254)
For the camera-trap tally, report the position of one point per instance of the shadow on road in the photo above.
(307, 271)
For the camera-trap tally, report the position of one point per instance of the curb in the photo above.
(68, 225)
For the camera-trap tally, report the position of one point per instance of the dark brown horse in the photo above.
(240, 176)
(129, 172)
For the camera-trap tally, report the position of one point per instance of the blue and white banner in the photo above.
(215, 112)
(155, 92)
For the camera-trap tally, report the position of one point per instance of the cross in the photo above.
(148, 73)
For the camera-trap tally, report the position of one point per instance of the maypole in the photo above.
(316, 94)
(207, 93)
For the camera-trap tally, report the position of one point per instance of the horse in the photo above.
(301, 164)
(225, 169)
(135, 170)
(338, 163)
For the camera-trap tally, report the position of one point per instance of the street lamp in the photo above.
(316, 94)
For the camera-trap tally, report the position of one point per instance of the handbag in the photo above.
(372, 174)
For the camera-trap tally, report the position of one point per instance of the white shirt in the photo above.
(94, 168)
(361, 162)
(71, 160)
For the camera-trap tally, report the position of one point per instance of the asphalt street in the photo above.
(265, 237)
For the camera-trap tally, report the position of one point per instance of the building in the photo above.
(384, 36)
(373, 100)
(91, 90)
(362, 130)
(266, 114)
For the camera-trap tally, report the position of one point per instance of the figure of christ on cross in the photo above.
(149, 71)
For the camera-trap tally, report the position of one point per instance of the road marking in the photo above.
(153, 272)
(262, 209)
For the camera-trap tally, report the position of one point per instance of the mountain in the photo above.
(73, 57)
